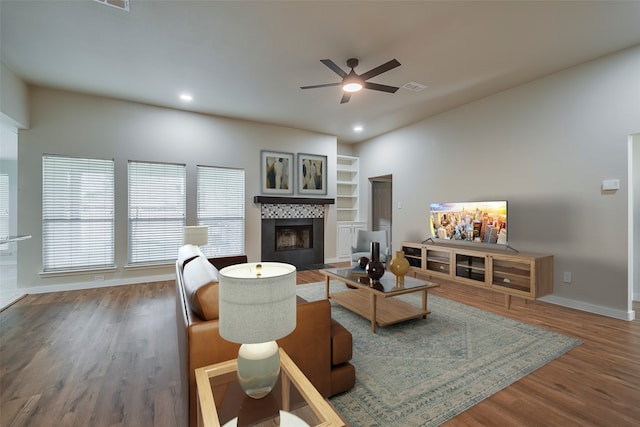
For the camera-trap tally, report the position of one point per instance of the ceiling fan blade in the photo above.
(346, 96)
(380, 69)
(382, 88)
(324, 85)
(329, 63)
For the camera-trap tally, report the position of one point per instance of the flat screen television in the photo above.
(476, 222)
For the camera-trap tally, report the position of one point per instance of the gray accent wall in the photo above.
(74, 124)
(546, 147)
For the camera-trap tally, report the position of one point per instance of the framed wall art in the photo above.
(276, 172)
(312, 174)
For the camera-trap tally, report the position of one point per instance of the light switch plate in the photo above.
(611, 184)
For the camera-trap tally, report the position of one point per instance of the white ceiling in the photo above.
(248, 59)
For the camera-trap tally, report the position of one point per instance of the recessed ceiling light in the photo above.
(186, 97)
(357, 128)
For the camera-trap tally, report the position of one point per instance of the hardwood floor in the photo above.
(107, 357)
(101, 357)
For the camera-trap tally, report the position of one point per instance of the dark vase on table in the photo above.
(375, 269)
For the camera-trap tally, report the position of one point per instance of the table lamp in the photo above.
(197, 235)
(257, 307)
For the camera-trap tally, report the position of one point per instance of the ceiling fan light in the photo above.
(352, 86)
(352, 82)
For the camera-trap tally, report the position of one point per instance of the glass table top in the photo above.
(387, 281)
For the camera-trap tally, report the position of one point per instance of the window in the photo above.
(221, 206)
(77, 213)
(156, 212)
(4, 206)
(4, 212)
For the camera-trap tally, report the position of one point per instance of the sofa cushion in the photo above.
(187, 253)
(201, 287)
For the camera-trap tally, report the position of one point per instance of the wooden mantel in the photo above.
(292, 200)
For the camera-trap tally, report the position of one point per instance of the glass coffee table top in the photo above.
(387, 281)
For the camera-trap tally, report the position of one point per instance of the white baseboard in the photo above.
(591, 308)
(11, 300)
(93, 284)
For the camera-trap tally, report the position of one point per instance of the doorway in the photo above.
(381, 205)
(8, 212)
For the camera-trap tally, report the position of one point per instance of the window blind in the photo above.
(4, 206)
(77, 213)
(220, 205)
(156, 211)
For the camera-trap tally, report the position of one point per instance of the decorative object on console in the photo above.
(312, 174)
(375, 269)
(363, 261)
(399, 266)
(197, 235)
(276, 171)
(257, 307)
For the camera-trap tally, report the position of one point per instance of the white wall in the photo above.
(82, 125)
(15, 104)
(635, 250)
(545, 146)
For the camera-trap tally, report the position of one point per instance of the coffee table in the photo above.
(376, 302)
(294, 401)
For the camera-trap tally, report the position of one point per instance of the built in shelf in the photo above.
(292, 200)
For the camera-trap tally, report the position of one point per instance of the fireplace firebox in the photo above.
(294, 237)
(296, 241)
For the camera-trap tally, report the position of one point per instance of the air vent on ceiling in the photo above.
(120, 4)
(416, 87)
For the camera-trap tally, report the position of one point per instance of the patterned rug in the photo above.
(424, 372)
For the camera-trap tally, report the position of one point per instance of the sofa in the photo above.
(320, 346)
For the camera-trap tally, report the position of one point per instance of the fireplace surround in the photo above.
(292, 230)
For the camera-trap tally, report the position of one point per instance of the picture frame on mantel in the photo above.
(276, 172)
(312, 174)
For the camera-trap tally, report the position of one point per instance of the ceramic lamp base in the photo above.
(258, 368)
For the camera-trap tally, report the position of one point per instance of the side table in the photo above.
(221, 400)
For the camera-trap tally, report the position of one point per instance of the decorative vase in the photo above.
(375, 269)
(362, 262)
(399, 266)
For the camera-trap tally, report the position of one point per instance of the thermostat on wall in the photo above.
(611, 184)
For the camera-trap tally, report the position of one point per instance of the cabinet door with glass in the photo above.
(516, 276)
(438, 262)
(413, 254)
(470, 267)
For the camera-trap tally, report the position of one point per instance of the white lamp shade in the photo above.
(257, 309)
(197, 235)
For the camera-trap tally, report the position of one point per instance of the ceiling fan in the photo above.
(353, 82)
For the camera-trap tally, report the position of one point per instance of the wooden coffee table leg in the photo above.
(373, 312)
(424, 302)
(326, 278)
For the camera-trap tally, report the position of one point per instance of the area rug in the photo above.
(424, 372)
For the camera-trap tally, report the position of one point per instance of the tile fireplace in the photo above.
(292, 230)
